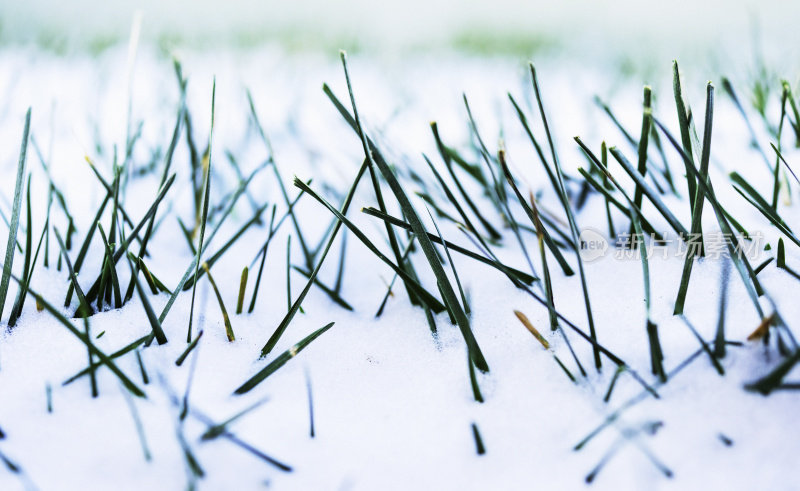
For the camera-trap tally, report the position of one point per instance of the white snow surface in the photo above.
(393, 405)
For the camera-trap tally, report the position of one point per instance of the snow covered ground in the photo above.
(393, 406)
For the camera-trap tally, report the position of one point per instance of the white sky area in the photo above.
(584, 26)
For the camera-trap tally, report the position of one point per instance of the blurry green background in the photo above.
(638, 29)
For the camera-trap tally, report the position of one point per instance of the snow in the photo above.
(392, 404)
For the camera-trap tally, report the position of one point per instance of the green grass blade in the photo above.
(770, 215)
(452, 265)
(111, 189)
(189, 349)
(204, 218)
(288, 272)
(192, 266)
(473, 381)
(16, 310)
(656, 353)
(719, 339)
(14, 225)
(642, 147)
(84, 308)
(776, 182)
(524, 121)
(570, 217)
(780, 156)
(225, 317)
(155, 325)
(281, 360)
(683, 124)
(263, 259)
(55, 190)
(242, 288)
(86, 243)
(111, 268)
(697, 210)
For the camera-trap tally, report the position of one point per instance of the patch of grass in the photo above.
(418, 289)
(422, 237)
(104, 359)
(477, 40)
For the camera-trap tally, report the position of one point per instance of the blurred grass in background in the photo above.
(581, 29)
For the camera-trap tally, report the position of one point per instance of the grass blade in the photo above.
(642, 147)
(84, 308)
(452, 265)
(204, 217)
(697, 210)
(225, 317)
(281, 360)
(479, 447)
(14, 225)
(155, 325)
(242, 288)
(561, 191)
(719, 339)
(189, 349)
(263, 259)
(27, 272)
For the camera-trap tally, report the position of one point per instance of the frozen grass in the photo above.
(346, 369)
